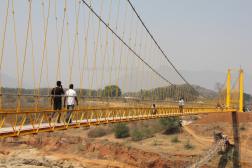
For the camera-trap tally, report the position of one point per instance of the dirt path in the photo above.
(202, 140)
(93, 162)
(246, 153)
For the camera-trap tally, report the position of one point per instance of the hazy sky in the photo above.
(197, 35)
(202, 34)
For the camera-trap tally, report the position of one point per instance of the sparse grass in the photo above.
(137, 135)
(141, 133)
(98, 132)
(188, 145)
(175, 139)
(145, 129)
(242, 127)
(194, 117)
(81, 147)
(155, 142)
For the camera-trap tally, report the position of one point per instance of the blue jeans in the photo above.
(69, 107)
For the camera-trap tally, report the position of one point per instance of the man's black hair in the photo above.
(58, 83)
(71, 86)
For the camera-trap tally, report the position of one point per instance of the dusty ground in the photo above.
(72, 148)
(209, 123)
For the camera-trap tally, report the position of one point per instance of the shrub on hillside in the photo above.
(137, 135)
(141, 133)
(121, 130)
(171, 125)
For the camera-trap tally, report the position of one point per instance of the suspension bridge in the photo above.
(93, 45)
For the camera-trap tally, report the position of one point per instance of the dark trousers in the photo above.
(181, 109)
(57, 107)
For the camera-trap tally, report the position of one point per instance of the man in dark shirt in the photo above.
(56, 99)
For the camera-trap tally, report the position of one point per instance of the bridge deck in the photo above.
(13, 123)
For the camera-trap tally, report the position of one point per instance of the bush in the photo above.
(171, 125)
(194, 117)
(121, 130)
(188, 145)
(144, 129)
(97, 132)
(155, 142)
(137, 135)
(175, 139)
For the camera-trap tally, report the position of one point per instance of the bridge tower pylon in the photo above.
(228, 85)
(241, 90)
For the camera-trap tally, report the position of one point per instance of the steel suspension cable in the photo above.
(96, 47)
(56, 26)
(4, 35)
(79, 58)
(33, 63)
(140, 47)
(2, 50)
(106, 43)
(121, 52)
(113, 47)
(60, 44)
(142, 66)
(68, 46)
(164, 54)
(113, 32)
(128, 51)
(85, 52)
(45, 22)
(134, 48)
(24, 58)
(45, 27)
(15, 42)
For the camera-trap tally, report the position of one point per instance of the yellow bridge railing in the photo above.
(13, 123)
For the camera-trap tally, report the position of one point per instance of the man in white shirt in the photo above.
(70, 100)
(181, 105)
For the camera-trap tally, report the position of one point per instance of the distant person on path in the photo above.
(181, 104)
(56, 99)
(219, 106)
(154, 109)
(70, 100)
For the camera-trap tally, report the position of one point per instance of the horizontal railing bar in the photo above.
(14, 111)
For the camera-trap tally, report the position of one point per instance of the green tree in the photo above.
(112, 91)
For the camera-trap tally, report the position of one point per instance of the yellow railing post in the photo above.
(241, 88)
(228, 89)
(0, 96)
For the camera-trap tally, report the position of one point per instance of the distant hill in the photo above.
(205, 93)
(208, 79)
(175, 92)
